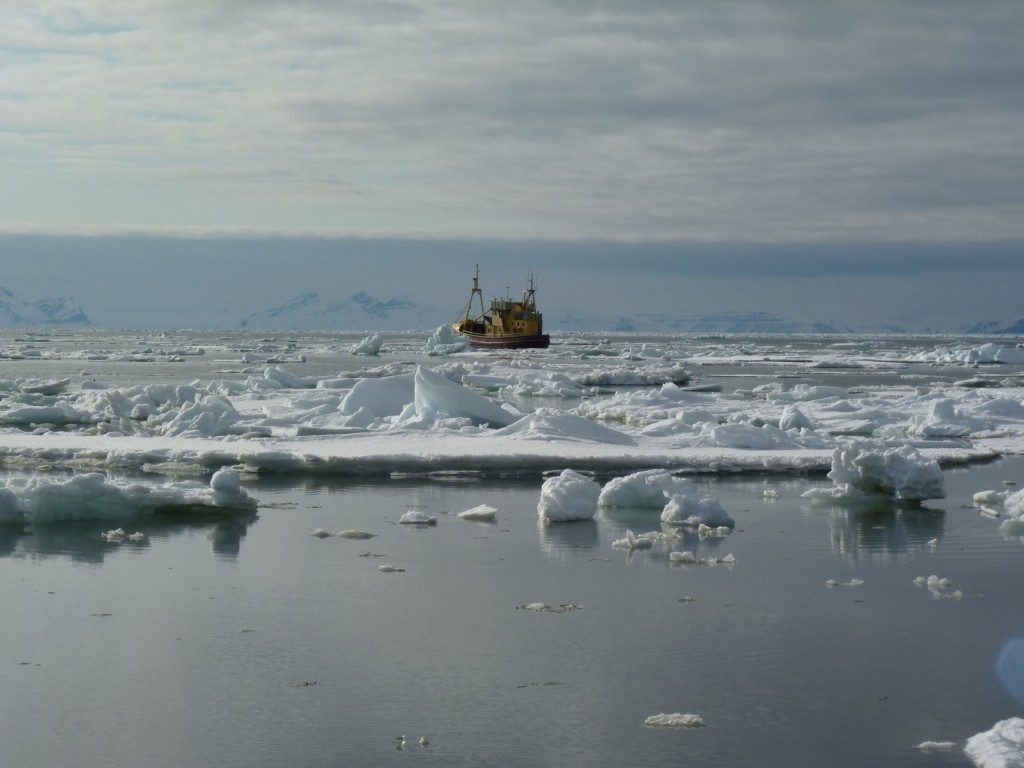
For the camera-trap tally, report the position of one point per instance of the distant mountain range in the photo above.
(61, 310)
(360, 311)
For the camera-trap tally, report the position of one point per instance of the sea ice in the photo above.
(481, 512)
(445, 341)
(687, 510)
(936, 746)
(417, 517)
(632, 541)
(860, 470)
(553, 424)
(93, 496)
(1002, 746)
(351, 534)
(649, 489)
(320, 533)
(675, 720)
(569, 496)
(11, 511)
(436, 394)
(371, 345)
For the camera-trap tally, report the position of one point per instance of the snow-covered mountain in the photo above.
(997, 327)
(61, 310)
(360, 311)
(722, 322)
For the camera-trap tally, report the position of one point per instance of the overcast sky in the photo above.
(832, 124)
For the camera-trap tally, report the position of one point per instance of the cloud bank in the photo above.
(788, 122)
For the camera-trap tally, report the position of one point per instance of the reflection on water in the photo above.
(559, 539)
(881, 529)
(82, 542)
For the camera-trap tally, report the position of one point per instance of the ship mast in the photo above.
(475, 292)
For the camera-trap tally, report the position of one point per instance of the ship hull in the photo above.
(538, 341)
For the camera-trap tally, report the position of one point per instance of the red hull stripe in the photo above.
(540, 341)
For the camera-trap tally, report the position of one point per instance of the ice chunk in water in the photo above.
(1002, 746)
(569, 496)
(481, 512)
(417, 517)
(675, 720)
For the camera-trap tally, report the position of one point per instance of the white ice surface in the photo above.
(93, 496)
(1002, 746)
(569, 496)
(860, 470)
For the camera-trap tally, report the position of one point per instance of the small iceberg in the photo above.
(675, 720)
(350, 534)
(417, 517)
(482, 513)
(569, 496)
(1002, 746)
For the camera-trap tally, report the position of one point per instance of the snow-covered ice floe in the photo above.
(391, 418)
(676, 497)
(675, 720)
(482, 513)
(1002, 746)
(1008, 505)
(861, 471)
(43, 500)
(569, 496)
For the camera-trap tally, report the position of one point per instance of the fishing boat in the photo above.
(508, 324)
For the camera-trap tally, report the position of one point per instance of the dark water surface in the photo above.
(214, 632)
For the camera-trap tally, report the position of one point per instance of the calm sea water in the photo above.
(258, 645)
(250, 643)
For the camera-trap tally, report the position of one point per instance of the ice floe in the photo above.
(45, 500)
(445, 341)
(860, 470)
(567, 497)
(675, 720)
(1002, 746)
(371, 345)
(482, 513)
(417, 517)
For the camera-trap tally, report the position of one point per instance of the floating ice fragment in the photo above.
(920, 581)
(1002, 746)
(137, 536)
(351, 534)
(682, 557)
(481, 513)
(860, 471)
(11, 511)
(770, 494)
(675, 720)
(933, 542)
(854, 583)
(632, 541)
(391, 569)
(371, 345)
(644, 490)
(545, 608)
(116, 535)
(935, 746)
(831, 583)
(569, 496)
(417, 517)
(423, 741)
(320, 533)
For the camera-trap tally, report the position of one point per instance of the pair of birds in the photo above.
(400, 741)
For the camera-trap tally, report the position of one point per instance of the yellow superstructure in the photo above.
(508, 322)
